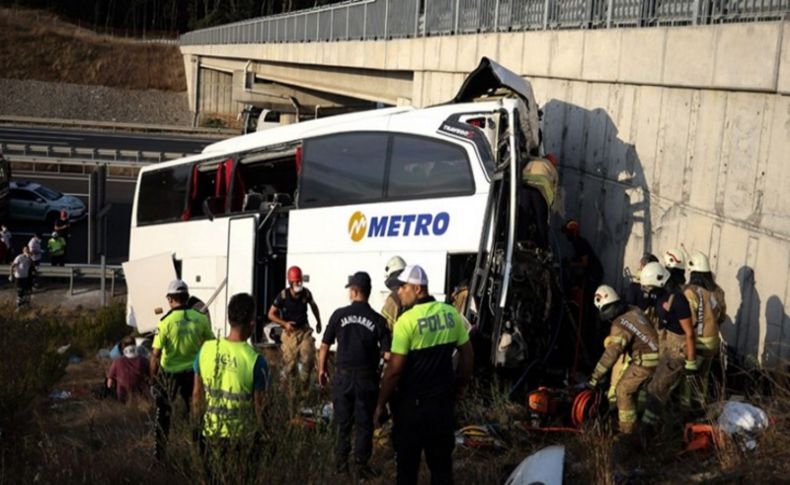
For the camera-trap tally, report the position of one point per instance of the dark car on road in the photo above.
(33, 201)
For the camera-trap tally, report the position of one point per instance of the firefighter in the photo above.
(362, 338)
(421, 369)
(179, 336)
(289, 310)
(677, 352)
(708, 311)
(538, 190)
(392, 307)
(675, 263)
(634, 294)
(630, 335)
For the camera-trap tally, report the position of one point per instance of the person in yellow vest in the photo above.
(631, 335)
(230, 380)
(538, 190)
(420, 378)
(392, 307)
(708, 311)
(57, 249)
(179, 336)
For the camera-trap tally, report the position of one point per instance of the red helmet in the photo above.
(571, 227)
(553, 159)
(294, 273)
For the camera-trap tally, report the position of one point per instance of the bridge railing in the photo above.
(389, 19)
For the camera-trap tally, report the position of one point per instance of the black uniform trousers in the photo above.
(165, 388)
(533, 211)
(424, 425)
(354, 396)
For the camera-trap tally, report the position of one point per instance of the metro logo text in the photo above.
(397, 225)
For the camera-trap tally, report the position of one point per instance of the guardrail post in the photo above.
(695, 12)
(546, 14)
(425, 16)
(103, 281)
(496, 16)
(348, 18)
(332, 24)
(457, 14)
(609, 13)
(365, 21)
(386, 16)
(317, 26)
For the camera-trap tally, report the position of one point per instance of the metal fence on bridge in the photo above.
(390, 19)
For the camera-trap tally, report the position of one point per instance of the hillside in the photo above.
(38, 46)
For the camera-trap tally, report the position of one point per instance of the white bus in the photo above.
(335, 196)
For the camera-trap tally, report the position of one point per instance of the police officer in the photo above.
(708, 311)
(539, 188)
(362, 337)
(421, 369)
(392, 307)
(57, 249)
(630, 334)
(289, 310)
(230, 379)
(179, 336)
(677, 352)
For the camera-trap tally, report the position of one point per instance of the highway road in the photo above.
(120, 192)
(97, 139)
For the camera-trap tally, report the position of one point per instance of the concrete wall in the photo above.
(650, 168)
(216, 92)
(667, 136)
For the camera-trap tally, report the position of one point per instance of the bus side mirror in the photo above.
(207, 208)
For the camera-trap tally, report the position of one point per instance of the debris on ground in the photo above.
(743, 421)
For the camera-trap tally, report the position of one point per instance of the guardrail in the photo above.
(388, 19)
(74, 271)
(115, 126)
(68, 160)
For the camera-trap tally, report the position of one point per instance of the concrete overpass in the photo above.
(666, 135)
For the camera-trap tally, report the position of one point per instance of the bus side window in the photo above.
(422, 167)
(346, 168)
(162, 195)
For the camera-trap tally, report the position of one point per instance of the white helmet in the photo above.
(675, 258)
(395, 263)
(604, 295)
(653, 274)
(699, 263)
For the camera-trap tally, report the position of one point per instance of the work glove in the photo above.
(690, 368)
(592, 384)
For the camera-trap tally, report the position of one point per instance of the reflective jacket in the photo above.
(542, 174)
(227, 371)
(708, 310)
(631, 333)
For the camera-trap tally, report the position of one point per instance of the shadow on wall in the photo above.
(742, 335)
(603, 185)
(777, 333)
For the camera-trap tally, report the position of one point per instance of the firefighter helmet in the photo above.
(395, 263)
(675, 259)
(605, 295)
(699, 263)
(653, 274)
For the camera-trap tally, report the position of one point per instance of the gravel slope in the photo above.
(40, 99)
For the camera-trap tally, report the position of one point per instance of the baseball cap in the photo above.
(177, 287)
(413, 274)
(359, 279)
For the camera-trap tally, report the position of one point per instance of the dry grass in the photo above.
(38, 45)
(90, 440)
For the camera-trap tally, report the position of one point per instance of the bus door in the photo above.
(241, 266)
